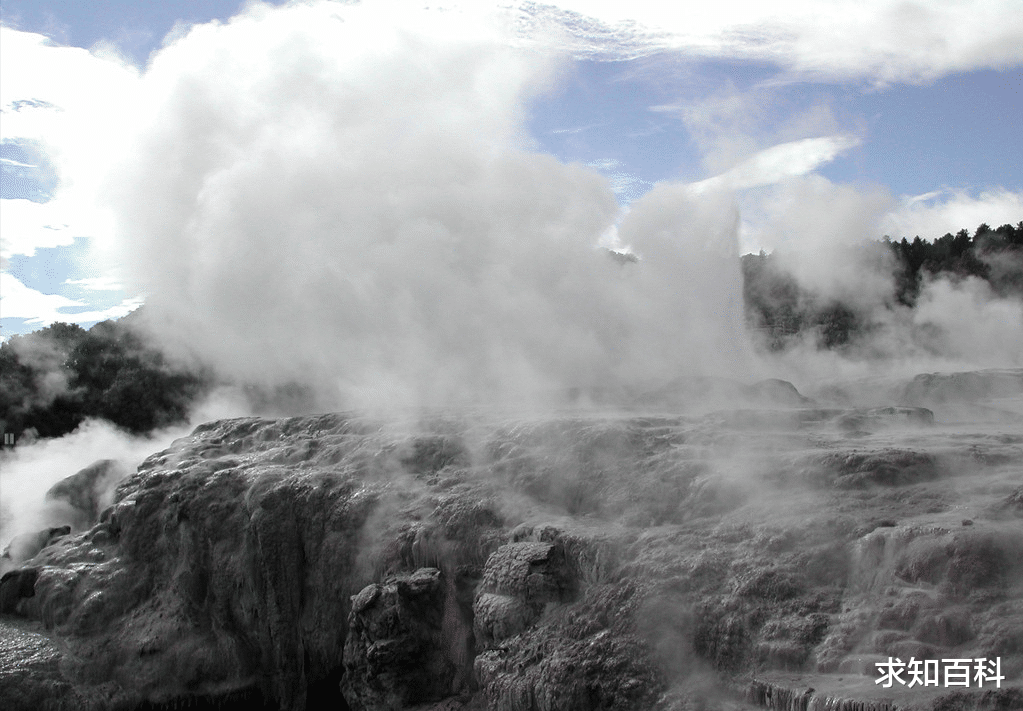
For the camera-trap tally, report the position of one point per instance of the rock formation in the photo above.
(643, 560)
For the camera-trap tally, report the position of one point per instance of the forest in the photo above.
(783, 310)
(53, 379)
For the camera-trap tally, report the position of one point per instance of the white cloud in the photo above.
(626, 186)
(104, 283)
(75, 106)
(947, 211)
(80, 105)
(731, 127)
(776, 163)
(877, 40)
(26, 226)
(19, 301)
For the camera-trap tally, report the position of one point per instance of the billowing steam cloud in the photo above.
(329, 196)
(345, 196)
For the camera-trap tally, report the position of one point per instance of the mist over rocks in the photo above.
(575, 560)
(73, 504)
(25, 546)
(83, 495)
(969, 387)
(698, 393)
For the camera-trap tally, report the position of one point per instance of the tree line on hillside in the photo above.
(993, 255)
(781, 308)
(55, 378)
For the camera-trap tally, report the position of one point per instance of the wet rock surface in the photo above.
(586, 560)
(395, 655)
(30, 669)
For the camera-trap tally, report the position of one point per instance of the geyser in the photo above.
(325, 195)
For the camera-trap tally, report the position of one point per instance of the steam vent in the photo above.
(712, 546)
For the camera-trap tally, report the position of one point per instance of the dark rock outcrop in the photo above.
(396, 655)
(582, 656)
(879, 418)
(859, 469)
(520, 579)
(1013, 502)
(15, 586)
(776, 392)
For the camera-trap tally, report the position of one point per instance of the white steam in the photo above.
(825, 236)
(344, 196)
(327, 195)
(29, 470)
(818, 228)
(966, 321)
(32, 468)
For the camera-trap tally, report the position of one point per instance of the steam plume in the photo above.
(324, 194)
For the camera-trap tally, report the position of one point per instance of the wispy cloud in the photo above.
(16, 164)
(103, 283)
(880, 41)
(627, 186)
(19, 301)
(776, 163)
(576, 129)
(940, 211)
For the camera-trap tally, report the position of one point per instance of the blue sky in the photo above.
(912, 111)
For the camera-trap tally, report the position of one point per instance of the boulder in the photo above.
(519, 580)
